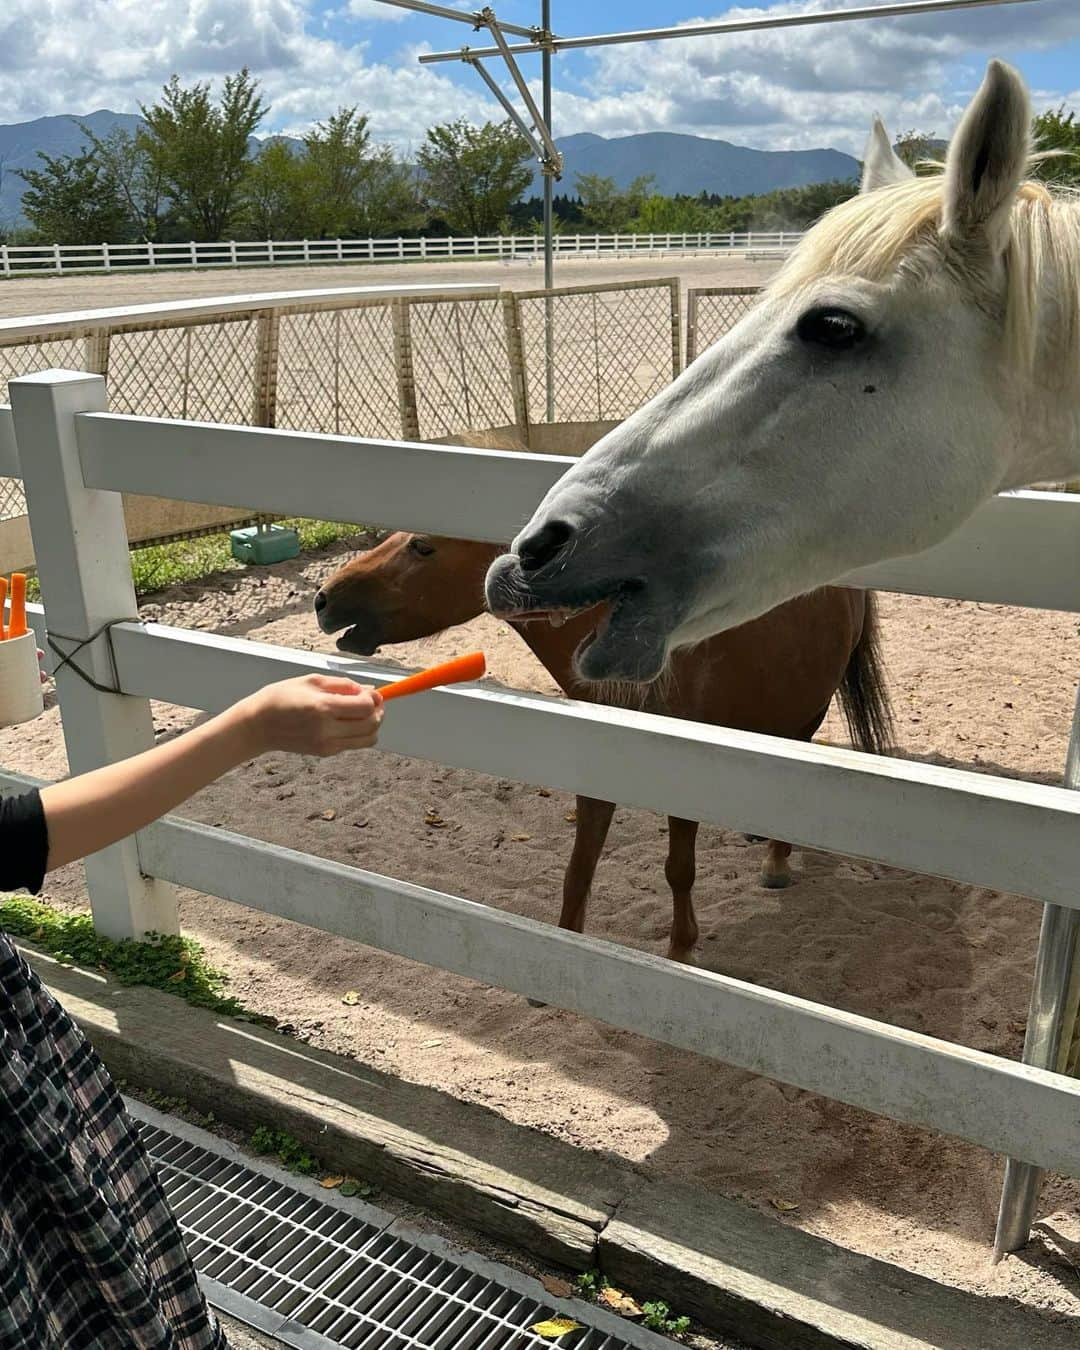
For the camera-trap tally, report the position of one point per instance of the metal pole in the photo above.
(1051, 1022)
(894, 11)
(463, 16)
(549, 222)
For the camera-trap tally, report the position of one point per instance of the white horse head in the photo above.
(917, 353)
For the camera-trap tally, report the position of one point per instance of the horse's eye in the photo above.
(421, 546)
(834, 328)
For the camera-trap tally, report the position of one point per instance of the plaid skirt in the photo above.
(91, 1257)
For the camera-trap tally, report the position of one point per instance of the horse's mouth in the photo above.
(355, 643)
(628, 641)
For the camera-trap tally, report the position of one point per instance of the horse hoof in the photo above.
(683, 958)
(775, 883)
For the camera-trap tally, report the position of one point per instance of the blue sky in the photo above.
(787, 89)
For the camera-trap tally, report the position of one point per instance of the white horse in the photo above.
(919, 352)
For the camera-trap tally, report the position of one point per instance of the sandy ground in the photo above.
(47, 295)
(975, 685)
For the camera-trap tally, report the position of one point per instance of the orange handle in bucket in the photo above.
(4, 632)
(460, 669)
(17, 622)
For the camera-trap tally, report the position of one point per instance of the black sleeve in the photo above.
(24, 842)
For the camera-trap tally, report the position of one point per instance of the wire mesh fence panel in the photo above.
(336, 372)
(612, 348)
(59, 353)
(205, 372)
(711, 311)
(460, 365)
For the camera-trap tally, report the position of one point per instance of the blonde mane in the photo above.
(878, 235)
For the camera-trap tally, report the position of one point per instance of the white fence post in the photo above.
(58, 259)
(81, 548)
(194, 254)
(5, 261)
(105, 257)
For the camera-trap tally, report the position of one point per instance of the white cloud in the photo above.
(372, 9)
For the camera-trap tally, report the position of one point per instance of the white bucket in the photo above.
(21, 698)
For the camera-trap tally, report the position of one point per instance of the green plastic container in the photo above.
(262, 544)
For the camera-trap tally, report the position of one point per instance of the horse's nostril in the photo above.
(543, 546)
(320, 602)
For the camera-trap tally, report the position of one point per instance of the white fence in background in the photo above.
(44, 259)
(1013, 836)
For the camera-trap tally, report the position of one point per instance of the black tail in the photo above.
(864, 697)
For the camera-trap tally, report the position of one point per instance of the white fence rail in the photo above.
(1014, 836)
(31, 259)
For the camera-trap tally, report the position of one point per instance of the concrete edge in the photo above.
(739, 1271)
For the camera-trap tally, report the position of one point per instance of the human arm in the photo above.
(312, 715)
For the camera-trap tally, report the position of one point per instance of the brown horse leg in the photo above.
(680, 871)
(593, 823)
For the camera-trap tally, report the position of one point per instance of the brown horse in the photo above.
(776, 675)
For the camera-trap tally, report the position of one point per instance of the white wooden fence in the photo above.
(1020, 837)
(30, 259)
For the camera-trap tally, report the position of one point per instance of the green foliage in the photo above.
(473, 175)
(72, 199)
(176, 965)
(786, 209)
(199, 149)
(1059, 131)
(659, 1317)
(273, 198)
(133, 176)
(289, 1152)
(590, 1282)
(605, 208)
(915, 148)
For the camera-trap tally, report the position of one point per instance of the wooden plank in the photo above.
(1022, 548)
(476, 494)
(1003, 1106)
(463, 1160)
(1001, 833)
(773, 1285)
(81, 551)
(34, 325)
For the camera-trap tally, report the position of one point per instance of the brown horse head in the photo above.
(410, 586)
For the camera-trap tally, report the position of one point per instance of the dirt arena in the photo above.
(974, 685)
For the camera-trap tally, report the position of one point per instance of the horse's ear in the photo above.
(882, 166)
(987, 160)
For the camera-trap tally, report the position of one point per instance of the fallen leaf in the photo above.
(180, 975)
(571, 816)
(433, 819)
(430, 1045)
(361, 824)
(554, 1328)
(352, 998)
(557, 1288)
(521, 838)
(619, 1302)
(328, 815)
(330, 1183)
(785, 1206)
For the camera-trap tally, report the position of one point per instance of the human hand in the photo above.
(41, 657)
(313, 715)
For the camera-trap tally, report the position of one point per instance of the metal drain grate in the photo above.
(319, 1274)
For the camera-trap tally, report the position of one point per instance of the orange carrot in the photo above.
(461, 668)
(3, 597)
(17, 622)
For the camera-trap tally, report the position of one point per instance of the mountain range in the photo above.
(687, 164)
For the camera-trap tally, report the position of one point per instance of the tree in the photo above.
(124, 160)
(1057, 130)
(473, 175)
(200, 150)
(275, 201)
(72, 200)
(336, 164)
(604, 207)
(672, 215)
(388, 199)
(916, 147)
